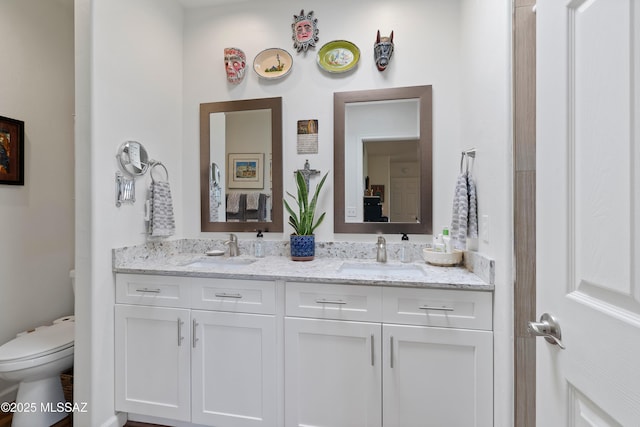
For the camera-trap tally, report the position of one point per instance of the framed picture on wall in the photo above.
(246, 170)
(11, 151)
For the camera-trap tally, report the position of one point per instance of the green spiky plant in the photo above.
(302, 221)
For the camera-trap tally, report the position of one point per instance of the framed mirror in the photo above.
(385, 138)
(241, 165)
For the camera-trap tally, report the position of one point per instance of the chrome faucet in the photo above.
(233, 245)
(382, 249)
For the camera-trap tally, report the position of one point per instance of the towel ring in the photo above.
(153, 166)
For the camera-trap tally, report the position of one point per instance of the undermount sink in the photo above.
(380, 269)
(221, 261)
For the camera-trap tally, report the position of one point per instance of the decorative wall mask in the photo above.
(235, 62)
(305, 31)
(382, 51)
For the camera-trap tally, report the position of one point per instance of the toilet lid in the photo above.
(39, 343)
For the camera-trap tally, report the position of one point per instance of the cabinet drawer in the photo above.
(327, 301)
(435, 307)
(163, 291)
(237, 295)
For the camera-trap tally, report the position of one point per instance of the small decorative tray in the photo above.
(272, 63)
(442, 259)
(338, 56)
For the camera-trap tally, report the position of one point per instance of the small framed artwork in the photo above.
(308, 136)
(246, 170)
(11, 151)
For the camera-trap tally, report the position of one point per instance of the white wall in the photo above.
(37, 227)
(150, 69)
(132, 53)
(486, 112)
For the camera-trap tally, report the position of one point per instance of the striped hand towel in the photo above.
(472, 231)
(460, 213)
(161, 222)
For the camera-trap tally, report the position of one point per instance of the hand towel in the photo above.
(214, 202)
(252, 201)
(233, 202)
(472, 231)
(460, 213)
(161, 221)
(262, 207)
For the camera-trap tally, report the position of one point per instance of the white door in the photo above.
(436, 377)
(234, 369)
(588, 211)
(404, 199)
(332, 373)
(152, 361)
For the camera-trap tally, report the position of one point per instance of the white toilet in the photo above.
(35, 360)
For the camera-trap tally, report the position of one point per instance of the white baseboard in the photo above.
(161, 421)
(118, 420)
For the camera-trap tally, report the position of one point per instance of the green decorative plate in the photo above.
(338, 56)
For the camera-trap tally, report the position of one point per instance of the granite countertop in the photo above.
(321, 270)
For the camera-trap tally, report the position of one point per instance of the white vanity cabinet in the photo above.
(332, 367)
(212, 362)
(438, 358)
(243, 353)
(152, 361)
(387, 356)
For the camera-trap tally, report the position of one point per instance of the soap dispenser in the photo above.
(405, 251)
(259, 245)
(446, 239)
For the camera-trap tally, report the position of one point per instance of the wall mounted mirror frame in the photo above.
(425, 141)
(206, 109)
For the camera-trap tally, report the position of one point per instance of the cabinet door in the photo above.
(436, 377)
(152, 361)
(332, 373)
(234, 369)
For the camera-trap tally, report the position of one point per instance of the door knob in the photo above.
(548, 328)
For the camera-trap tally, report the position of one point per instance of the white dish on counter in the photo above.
(442, 259)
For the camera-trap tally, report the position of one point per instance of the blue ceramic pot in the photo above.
(303, 248)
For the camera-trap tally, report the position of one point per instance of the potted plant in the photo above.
(303, 221)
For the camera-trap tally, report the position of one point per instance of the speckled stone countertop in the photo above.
(187, 258)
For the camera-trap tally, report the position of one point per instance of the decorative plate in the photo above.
(273, 63)
(338, 56)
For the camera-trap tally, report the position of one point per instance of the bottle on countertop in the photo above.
(258, 249)
(438, 243)
(446, 239)
(405, 251)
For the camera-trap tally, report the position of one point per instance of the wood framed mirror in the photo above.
(385, 138)
(241, 165)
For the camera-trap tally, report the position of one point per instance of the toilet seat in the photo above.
(38, 344)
